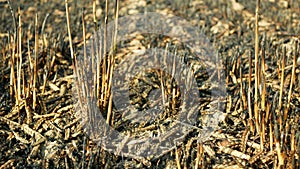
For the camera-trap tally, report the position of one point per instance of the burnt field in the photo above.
(245, 65)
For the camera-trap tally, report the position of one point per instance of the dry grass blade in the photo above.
(256, 68)
(285, 116)
(282, 79)
(263, 99)
(69, 30)
(73, 56)
(19, 60)
(200, 157)
(250, 120)
(35, 65)
(279, 140)
(178, 157)
(111, 61)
